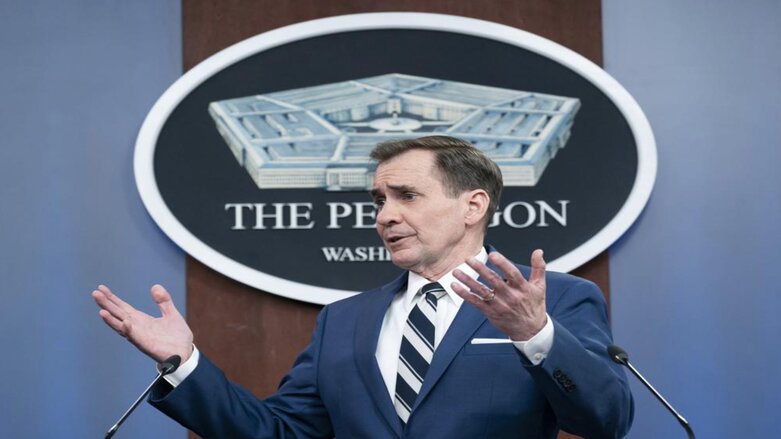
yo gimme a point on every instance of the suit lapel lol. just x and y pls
(367, 332)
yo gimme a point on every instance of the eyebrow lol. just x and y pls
(393, 187)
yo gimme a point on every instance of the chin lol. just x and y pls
(401, 261)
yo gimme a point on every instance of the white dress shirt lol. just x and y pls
(389, 342)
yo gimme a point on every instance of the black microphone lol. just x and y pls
(621, 357)
(169, 365)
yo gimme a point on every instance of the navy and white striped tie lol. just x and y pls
(417, 349)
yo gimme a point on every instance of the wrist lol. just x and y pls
(529, 331)
(188, 352)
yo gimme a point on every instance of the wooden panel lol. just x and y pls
(255, 336)
(597, 270)
(209, 26)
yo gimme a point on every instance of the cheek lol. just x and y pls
(452, 229)
(439, 232)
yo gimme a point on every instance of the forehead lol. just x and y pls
(416, 166)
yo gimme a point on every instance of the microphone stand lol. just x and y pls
(163, 369)
(620, 356)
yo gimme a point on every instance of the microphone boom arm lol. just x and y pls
(620, 356)
(164, 368)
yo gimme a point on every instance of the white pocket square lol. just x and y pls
(491, 340)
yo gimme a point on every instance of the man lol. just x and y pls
(463, 344)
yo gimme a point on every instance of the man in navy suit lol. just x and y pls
(464, 344)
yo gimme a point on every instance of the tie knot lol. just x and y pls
(432, 292)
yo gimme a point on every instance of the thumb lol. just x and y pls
(163, 300)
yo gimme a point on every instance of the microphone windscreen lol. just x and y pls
(617, 354)
(170, 364)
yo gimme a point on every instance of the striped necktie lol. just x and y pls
(417, 349)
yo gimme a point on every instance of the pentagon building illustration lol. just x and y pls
(321, 136)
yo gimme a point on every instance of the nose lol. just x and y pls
(388, 214)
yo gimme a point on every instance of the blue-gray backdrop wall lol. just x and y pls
(694, 283)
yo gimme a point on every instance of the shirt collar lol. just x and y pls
(415, 281)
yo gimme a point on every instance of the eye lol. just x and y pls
(378, 202)
(409, 196)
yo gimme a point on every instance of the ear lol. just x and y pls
(477, 201)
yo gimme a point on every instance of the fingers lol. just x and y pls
(471, 287)
(113, 322)
(114, 311)
(491, 278)
(103, 298)
(538, 267)
(510, 271)
(492, 282)
(495, 283)
(119, 303)
(467, 294)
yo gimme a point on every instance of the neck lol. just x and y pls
(453, 260)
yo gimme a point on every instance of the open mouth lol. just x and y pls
(395, 239)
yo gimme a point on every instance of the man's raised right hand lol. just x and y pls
(158, 337)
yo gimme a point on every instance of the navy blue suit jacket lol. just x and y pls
(471, 390)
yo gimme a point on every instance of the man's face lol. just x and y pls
(419, 222)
